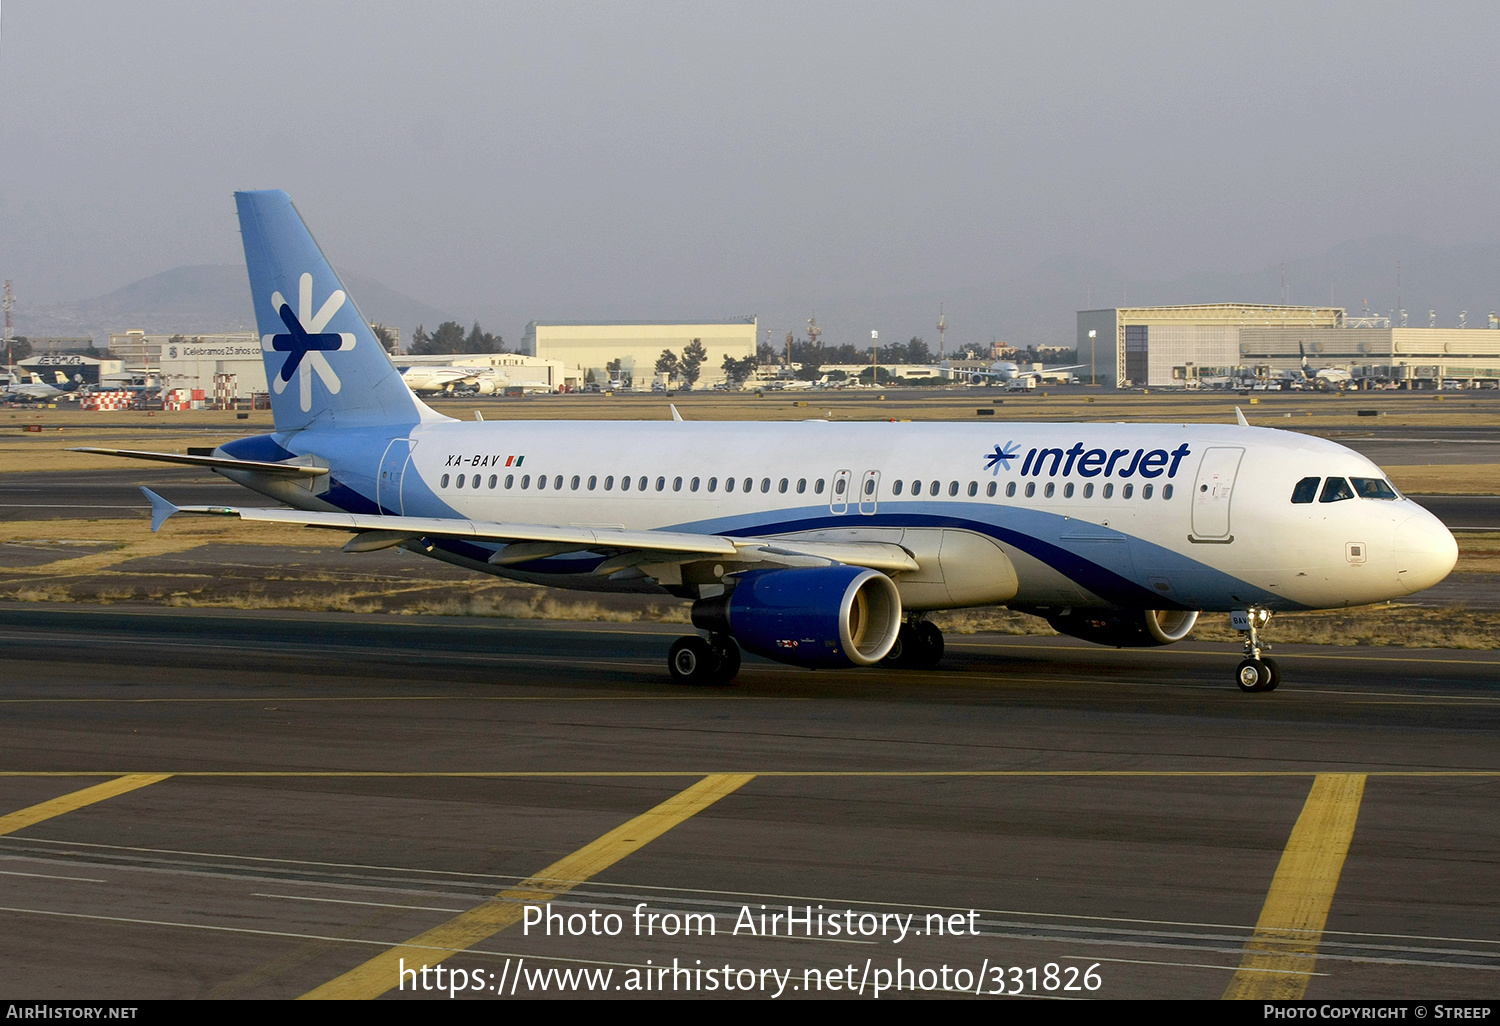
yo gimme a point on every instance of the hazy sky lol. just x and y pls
(556, 160)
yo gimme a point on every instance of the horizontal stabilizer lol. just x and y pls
(217, 462)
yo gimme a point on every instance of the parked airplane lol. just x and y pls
(1335, 378)
(38, 390)
(815, 544)
(1006, 372)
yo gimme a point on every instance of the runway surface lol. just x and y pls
(258, 805)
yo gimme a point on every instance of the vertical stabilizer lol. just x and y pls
(323, 363)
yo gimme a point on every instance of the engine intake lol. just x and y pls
(816, 616)
(1140, 628)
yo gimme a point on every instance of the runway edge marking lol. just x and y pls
(380, 973)
(26, 817)
(1284, 948)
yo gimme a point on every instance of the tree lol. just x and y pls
(691, 364)
(450, 340)
(386, 337)
(917, 351)
(666, 364)
(765, 353)
(736, 371)
(811, 356)
(19, 349)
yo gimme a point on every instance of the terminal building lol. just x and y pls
(1188, 346)
(589, 352)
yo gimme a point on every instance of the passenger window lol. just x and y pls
(713, 484)
(510, 480)
(494, 479)
(729, 484)
(1336, 489)
(460, 482)
(1088, 490)
(896, 487)
(1109, 491)
(557, 482)
(593, 481)
(609, 482)
(748, 484)
(782, 487)
(818, 488)
(952, 487)
(990, 489)
(444, 482)
(801, 485)
(693, 485)
(916, 487)
(1010, 490)
(525, 480)
(1146, 491)
(1374, 488)
(934, 488)
(1127, 491)
(838, 487)
(574, 484)
(541, 481)
(1166, 491)
(1306, 490)
(870, 486)
(625, 483)
(1030, 489)
(661, 483)
(973, 487)
(676, 484)
(1068, 490)
(765, 484)
(1047, 492)
(640, 485)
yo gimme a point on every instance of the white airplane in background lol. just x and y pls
(812, 543)
(37, 389)
(1006, 371)
(1335, 378)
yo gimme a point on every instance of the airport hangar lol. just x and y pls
(1163, 346)
(589, 349)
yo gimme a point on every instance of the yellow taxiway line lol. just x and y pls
(382, 972)
(1284, 949)
(78, 799)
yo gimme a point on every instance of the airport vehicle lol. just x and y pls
(816, 544)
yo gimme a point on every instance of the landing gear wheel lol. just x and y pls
(929, 645)
(696, 662)
(1254, 675)
(729, 656)
(902, 651)
(1274, 671)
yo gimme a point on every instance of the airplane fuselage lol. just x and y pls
(1088, 515)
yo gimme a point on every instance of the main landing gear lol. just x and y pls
(1256, 672)
(919, 646)
(693, 660)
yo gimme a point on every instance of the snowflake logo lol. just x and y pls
(1001, 458)
(305, 341)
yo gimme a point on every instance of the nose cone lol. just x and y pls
(1425, 552)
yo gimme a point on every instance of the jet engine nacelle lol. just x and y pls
(1140, 628)
(813, 616)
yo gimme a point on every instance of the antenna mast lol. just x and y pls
(942, 326)
(10, 304)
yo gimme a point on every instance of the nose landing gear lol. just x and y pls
(1256, 672)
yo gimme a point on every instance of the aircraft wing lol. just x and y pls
(525, 542)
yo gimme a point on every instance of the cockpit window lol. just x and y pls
(1374, 488)
(1306, 490)
(1336, 489)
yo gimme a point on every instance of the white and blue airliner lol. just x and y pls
(816, 544)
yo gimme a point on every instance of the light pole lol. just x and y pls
(874, 359)
(1093, 349)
